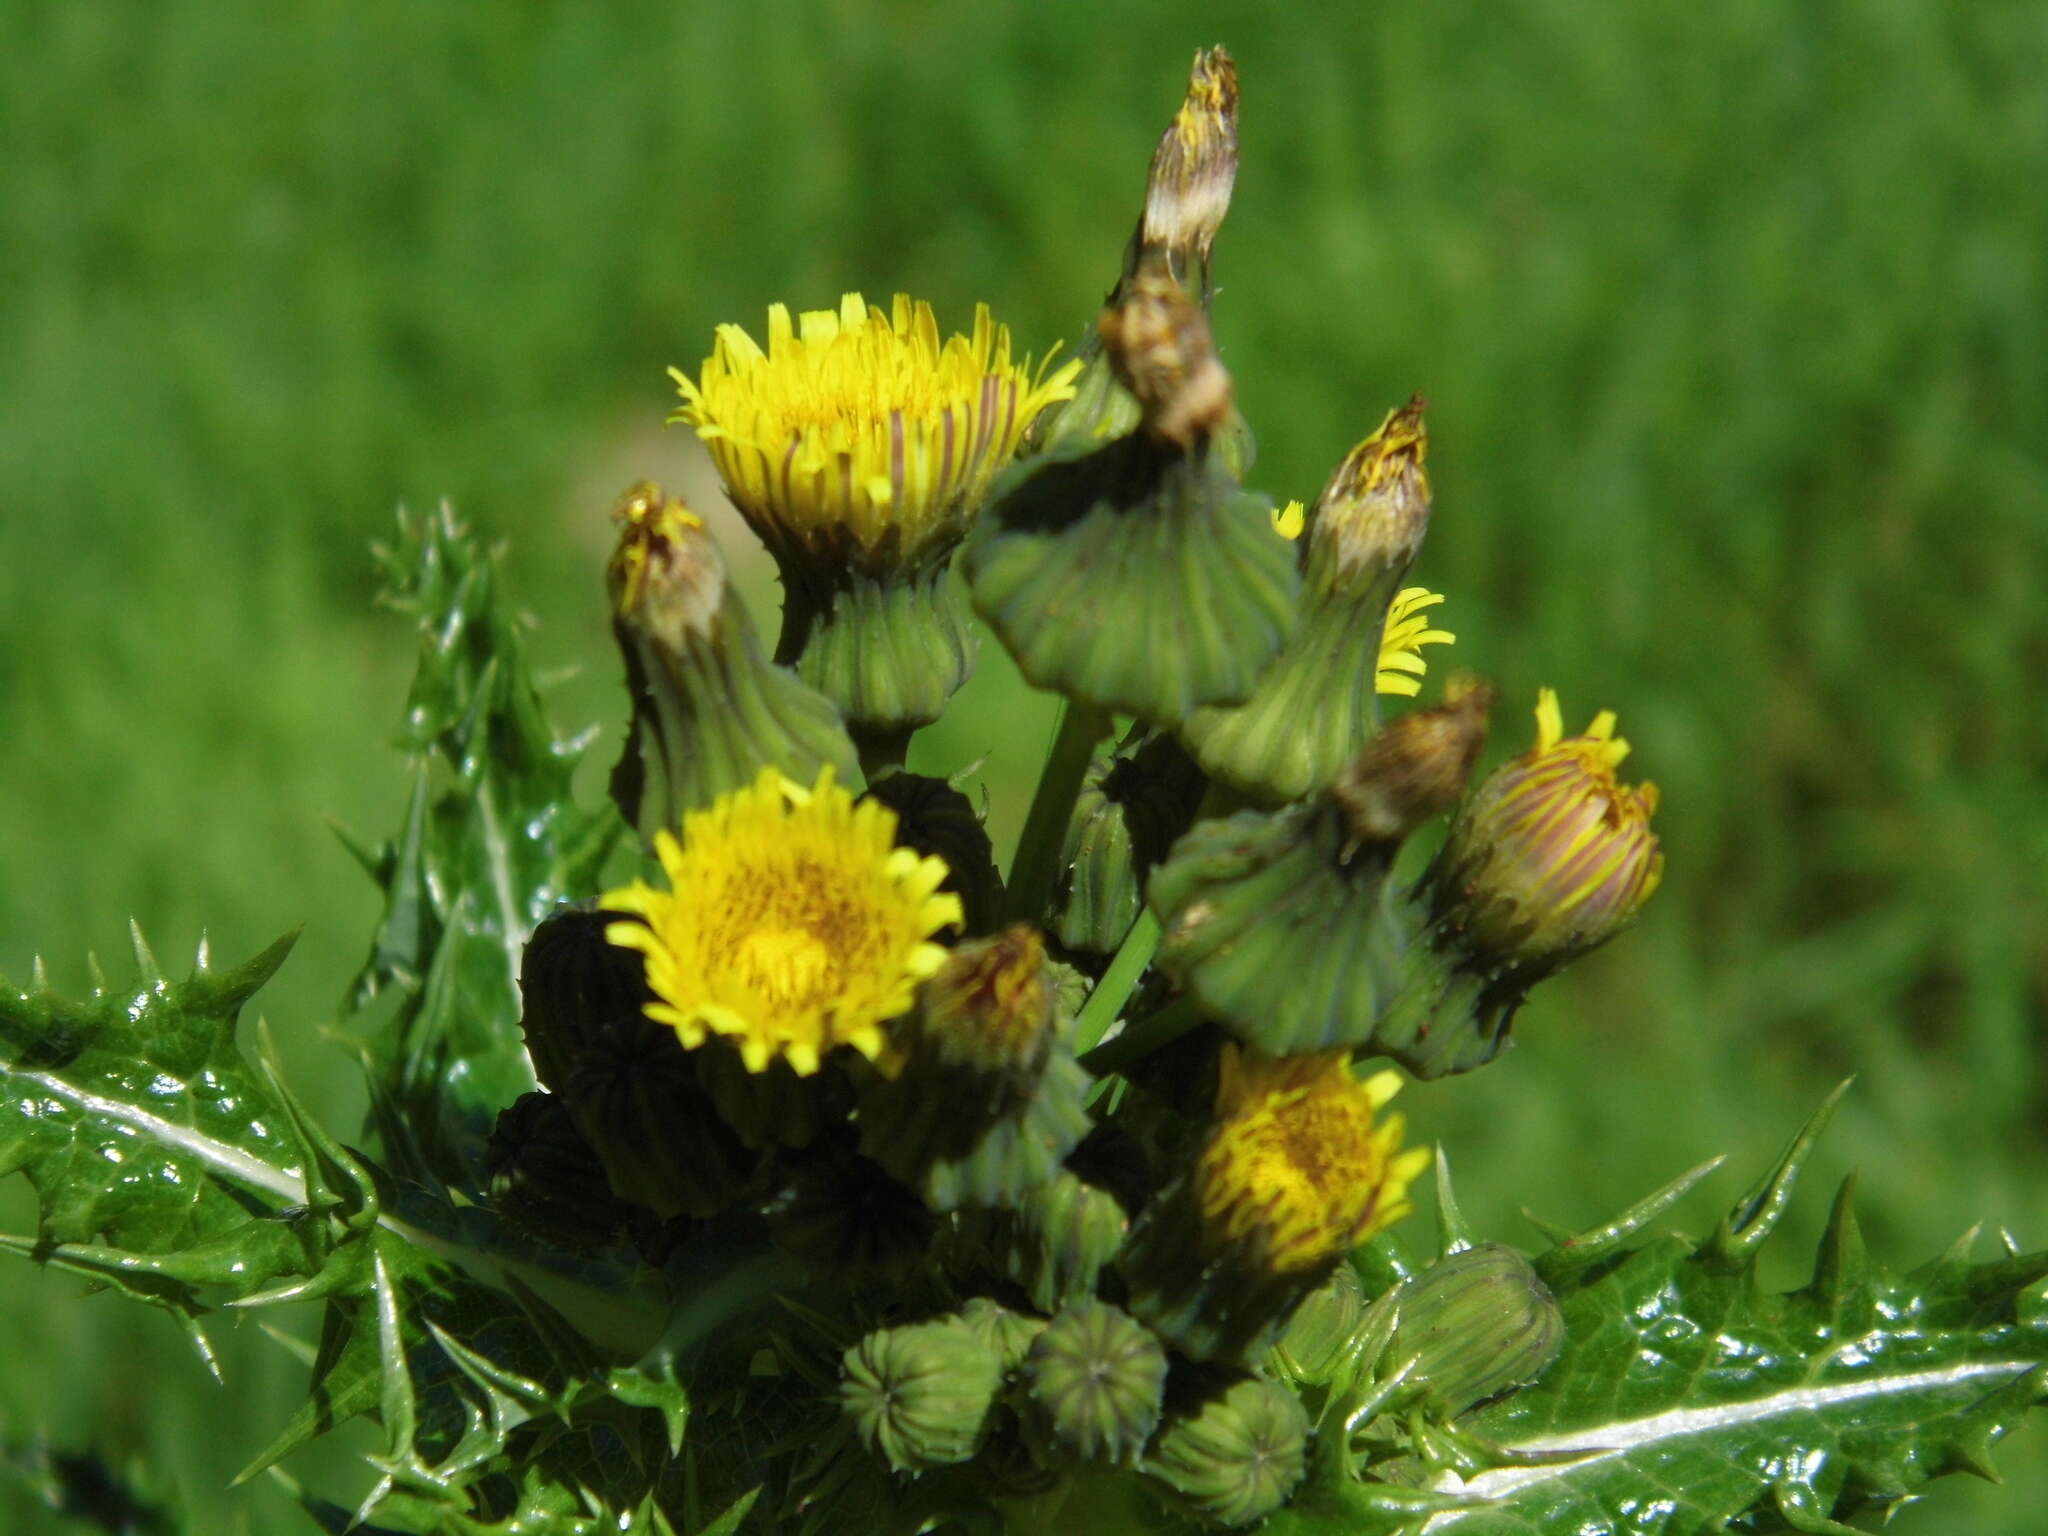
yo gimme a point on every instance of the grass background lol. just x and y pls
(1732, 324)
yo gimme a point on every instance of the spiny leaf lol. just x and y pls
(490, 844)
(1687, 1399)
(161, 1161)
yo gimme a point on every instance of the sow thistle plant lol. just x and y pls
(758, 1151)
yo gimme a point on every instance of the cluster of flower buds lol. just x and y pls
(1099, 1140)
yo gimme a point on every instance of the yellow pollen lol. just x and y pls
(786, 965)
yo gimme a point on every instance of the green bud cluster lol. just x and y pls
(1068, 1166)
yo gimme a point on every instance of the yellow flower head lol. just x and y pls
(792, 923)
(1296, 1171)
(1566, 852)
(858, 432)
(1407, 631)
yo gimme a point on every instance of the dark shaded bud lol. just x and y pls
(934, 818)
(709, 709)
(988, 1098)
(1415, 768)
(1097, 1376)
(1234, 1454)
(574, 986)
(1187, 191)
(626, 1082)
(1136, 799)
(1157, 339)
(919, 1396)
(774, 1107)
(1476, 1323)
(546, 1181)
(843, 1214)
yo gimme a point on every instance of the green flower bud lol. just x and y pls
(774, 1107)
(545, 1179)
(1056, 1239)
(989, 1098)
(1235, 1455)
(1317, 705)
(919, 1396)
(934, 818)
(709, 710)
(626, 1082)
(1009, 1334)
(1097, 1375)
(1477, 1323)
(1138, 576)
(1313, 1345)
(1135, 800)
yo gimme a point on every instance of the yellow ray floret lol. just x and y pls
(1407, 631)
(792, 923)
(861, 424)
(1296, 1171)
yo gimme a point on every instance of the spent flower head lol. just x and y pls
(792, 923)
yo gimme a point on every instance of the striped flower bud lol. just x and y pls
(1236, 1454)
(919, 1396)
(1477, 1323)
(1097, 1377)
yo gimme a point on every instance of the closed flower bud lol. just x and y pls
(1137, 576)
(1097, 1377)
(843, 1214)
(919, 1396)
(709, 709)
(1415, 768)
(1318, 1337)
(1157, 339)
(937, 820)
(1187, 191)
(1477, 1323)
(1360, 634)
(983, 1098)
(573, 986)
(1009, 1334)
(1135, 800)
(1553, 856)
(546, 1181)
(1235, 1455)
(1053, 1242)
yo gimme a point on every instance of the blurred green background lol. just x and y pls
(1732, 324)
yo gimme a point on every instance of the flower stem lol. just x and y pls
(1142, 1038)
(883, 749)
(1118, 982)
(1036, 861)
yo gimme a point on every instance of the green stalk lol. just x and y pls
(1118, 982)
(883, 749)
(1036, 862)
(1142, 1038)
